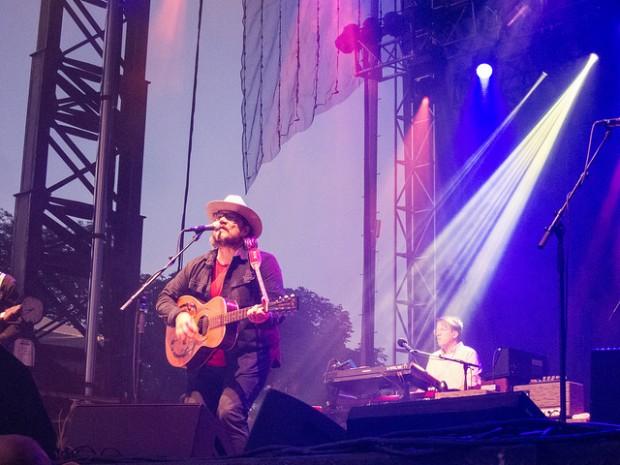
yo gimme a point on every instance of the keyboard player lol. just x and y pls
(448, 332)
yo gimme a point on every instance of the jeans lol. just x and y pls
(229, 392)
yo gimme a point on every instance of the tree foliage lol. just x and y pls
(6, 240)
(312, 338)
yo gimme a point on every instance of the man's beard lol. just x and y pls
(232, 242)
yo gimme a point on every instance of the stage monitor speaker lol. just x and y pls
(605, 385)
(144, 430)
(284, 420)
(377, 420)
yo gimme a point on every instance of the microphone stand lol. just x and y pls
(151, 279)
(557, 228)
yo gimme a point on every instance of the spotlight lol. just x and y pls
(394, 24)
(425, 88)
(370, 34)
(484, 71)
(348, 40)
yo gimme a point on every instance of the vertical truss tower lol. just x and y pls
(55, 206)
(414, 215)
(439, 30)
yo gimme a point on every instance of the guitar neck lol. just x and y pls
(282, 304)
(229, 317)
(235, 315)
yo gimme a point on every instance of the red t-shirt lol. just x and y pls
(218, 357)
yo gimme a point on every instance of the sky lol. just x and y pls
(311, 196)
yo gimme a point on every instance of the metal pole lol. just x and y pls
(371, 92)
(103, 174)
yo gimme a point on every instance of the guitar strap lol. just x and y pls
(254, 255)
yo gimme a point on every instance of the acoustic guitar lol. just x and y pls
(217, 322)
(30, 311)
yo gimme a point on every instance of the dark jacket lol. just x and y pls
(240, 285)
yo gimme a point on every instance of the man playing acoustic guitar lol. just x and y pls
(228, 382)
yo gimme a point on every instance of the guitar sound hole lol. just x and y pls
(203, 325)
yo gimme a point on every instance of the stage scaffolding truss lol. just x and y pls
(55, 207)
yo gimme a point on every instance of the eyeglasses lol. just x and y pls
(230, 216)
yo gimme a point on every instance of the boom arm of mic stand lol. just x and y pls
(468, 365)
(582, 177)
(443, 357)
(442, 385)
(158, 273)
(418, 352)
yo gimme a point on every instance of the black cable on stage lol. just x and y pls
(191, 126)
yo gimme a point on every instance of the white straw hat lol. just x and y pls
(235, 203)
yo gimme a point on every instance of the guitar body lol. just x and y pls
(30, 311)
(193, 352)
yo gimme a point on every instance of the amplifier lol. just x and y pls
(518, 366)
(546, 395)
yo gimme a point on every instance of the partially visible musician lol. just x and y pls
(10, 325)
(229, 382)
(448, 332)
(26, 433)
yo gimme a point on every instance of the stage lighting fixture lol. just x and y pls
(370, 33)
(425, 87)
(394, 24)
(484, 71)
(348, 40)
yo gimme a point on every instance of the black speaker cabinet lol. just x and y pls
(284, 420)
(605, 385)
(376, 420)
(519, 366)
(144, 430)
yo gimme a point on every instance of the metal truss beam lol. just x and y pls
(414, 214)
(55, 206)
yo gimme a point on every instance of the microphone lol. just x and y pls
(203, 227)
(610, 123)
(402, 342)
